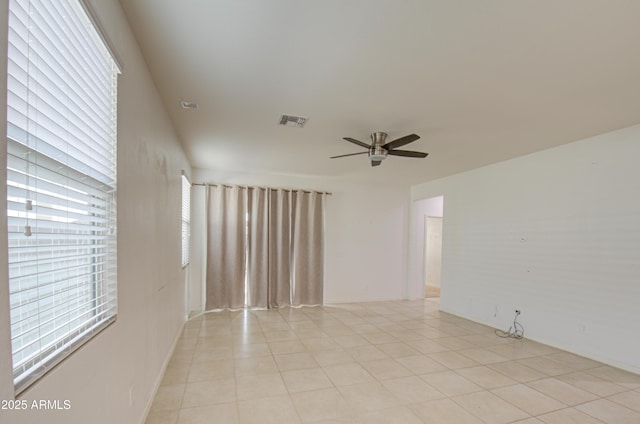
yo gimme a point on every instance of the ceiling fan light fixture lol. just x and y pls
(377, 153)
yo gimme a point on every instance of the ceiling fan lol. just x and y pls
(378, 150)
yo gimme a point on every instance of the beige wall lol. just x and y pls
(129, 356)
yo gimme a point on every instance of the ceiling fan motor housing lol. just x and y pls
(376, 152)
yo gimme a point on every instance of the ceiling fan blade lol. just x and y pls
(358, 142)
(408, 153)
(376, 162)
(401, 141)
(349, 154)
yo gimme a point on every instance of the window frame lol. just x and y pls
(65, 306)
(185, 220)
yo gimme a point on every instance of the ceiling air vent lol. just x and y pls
(189, 105)
(292, 121)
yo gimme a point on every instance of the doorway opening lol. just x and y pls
(427, 278)
(432, 256)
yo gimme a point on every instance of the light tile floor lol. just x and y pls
(384, 362)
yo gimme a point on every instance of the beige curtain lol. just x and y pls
(226, 247)
(280, 248)
(265, 246)
(258, 249)
(307, 247)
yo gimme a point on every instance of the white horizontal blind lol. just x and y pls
(186, 220)
(61, 183)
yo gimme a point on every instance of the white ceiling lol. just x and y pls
(479, 80)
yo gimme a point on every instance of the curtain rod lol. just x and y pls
(261, 188)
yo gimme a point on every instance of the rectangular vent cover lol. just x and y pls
(189, 105)
(292, 121)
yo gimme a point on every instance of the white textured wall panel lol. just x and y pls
(555, 234)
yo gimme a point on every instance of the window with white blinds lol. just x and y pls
(186, 219)
(61, 183)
